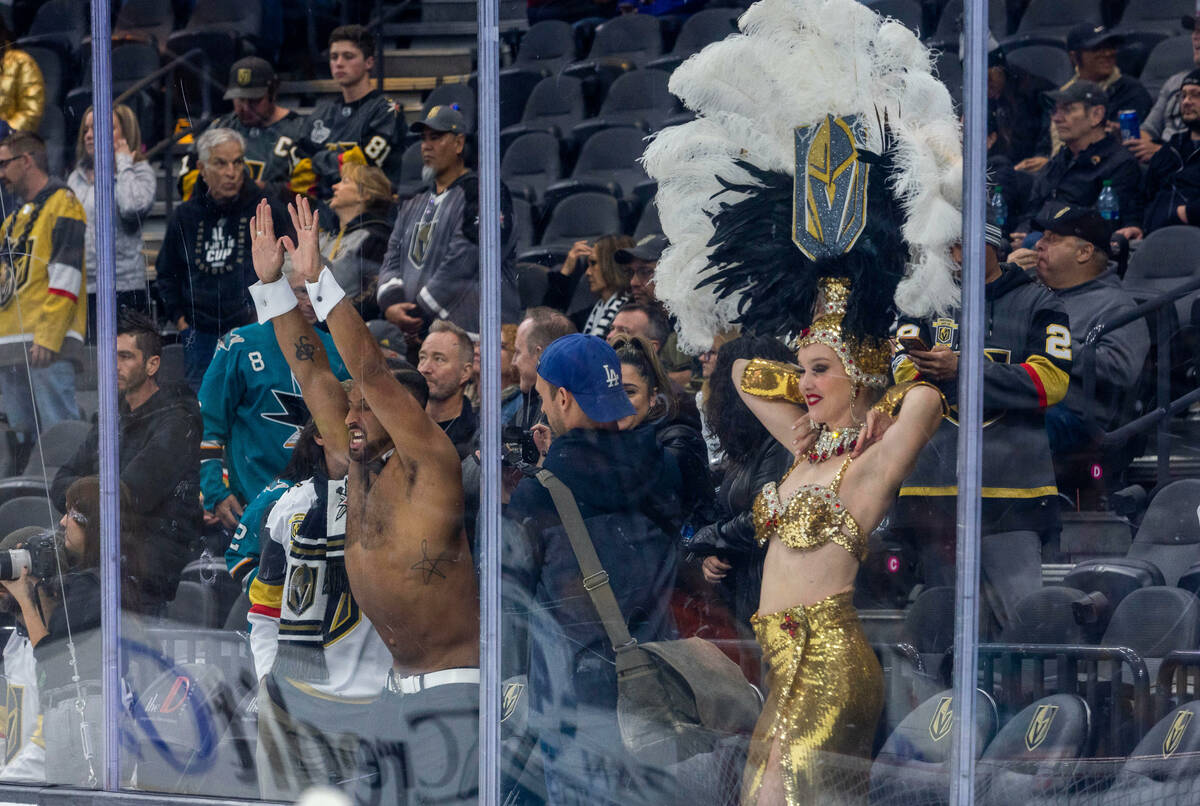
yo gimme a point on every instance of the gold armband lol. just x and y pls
(893, 398)
(772, 380)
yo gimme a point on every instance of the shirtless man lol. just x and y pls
(407, 557)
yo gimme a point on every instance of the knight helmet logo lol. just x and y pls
(510, 698)
(243, 76)
(829, 195)
(301, 588)
(1039, 726)
(942, 720)
(1175, 735)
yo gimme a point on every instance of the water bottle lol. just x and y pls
(998, 209)
(1107, 204)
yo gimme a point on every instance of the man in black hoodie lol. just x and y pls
(204, 266)
(160, 431)
(628, 490)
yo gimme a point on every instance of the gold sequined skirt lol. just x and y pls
(825, 694)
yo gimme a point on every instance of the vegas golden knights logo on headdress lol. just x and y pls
(942, 720)
(829, 211)
(1039, 726)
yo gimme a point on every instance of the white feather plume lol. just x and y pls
(794, 62)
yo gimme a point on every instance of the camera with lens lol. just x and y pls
(38, 555)
(517, 440)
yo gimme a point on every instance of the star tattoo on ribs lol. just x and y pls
(429, 566)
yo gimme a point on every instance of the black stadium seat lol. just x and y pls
(648, 223)
(1056, 17)
(929, 624)
(1046, 616)
(50, 62)
(950, 22)
(555, 106)
(530, 165)
(907, 12)
(1154, 622)
(152, 20)
(523, 224)
(1169, 534)
(700, 30)
(1114, 579)
(60, 25)
(913, 766)
(636, 38)
(1156, 15)
(516, 85)
(410, 183)
(224, 30)
(1169, 57)
(583, 216)
(608, 161)
(1162, 769)
(26, 511)
(547, 47)
(1164, 260)
(639, 99)
(59, 150)
(1047, 61)
(1038, 746)
(56, 445)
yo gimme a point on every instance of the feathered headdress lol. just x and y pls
(823, 147)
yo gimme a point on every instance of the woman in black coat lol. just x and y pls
(732, 559)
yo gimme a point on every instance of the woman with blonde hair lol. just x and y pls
(134, 195)
(361, 201)
(608, 284)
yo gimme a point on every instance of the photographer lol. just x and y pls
(24, 753)
(59, 598)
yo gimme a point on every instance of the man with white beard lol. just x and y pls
(431, 269)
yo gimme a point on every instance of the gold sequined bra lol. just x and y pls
(814, 516)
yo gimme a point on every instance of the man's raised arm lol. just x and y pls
(398, 412)
(298, 340)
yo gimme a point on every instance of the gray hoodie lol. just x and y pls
(134, 193)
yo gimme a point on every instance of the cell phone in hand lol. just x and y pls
(911, 343)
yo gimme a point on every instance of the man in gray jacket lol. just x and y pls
(431, 269)
(1073, 262)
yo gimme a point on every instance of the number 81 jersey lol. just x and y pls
(373, 123)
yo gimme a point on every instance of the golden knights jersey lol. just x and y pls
(24, 749)
(42, 287)
(356, 658)
(374, 124)
(268, 152)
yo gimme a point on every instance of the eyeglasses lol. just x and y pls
(4, 163)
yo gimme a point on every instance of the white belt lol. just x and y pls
(419, 682)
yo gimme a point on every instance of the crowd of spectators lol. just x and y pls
(231, 454)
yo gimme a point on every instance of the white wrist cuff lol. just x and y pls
(272, 299)
(325, 293)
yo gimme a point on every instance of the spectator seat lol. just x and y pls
(1162, 767)
(1163, 16)
(636, 38)
(929, 625)
(523, 216)
(1169, 534)
(149, 20)
(530, 165)
(460, 96)
(56, 445)
(1034, 749)
(170, 369)
(555, 106)
(1154, 622)
(1169, 57)
(1135, 48)
(648, 223)
(1056, 17)
(907, 12)
(60, 25)
(699, 30)
(27, 510)
(913, 766)
(547, 47)
(639, 98)
(1046, 61)
(950, 22)
(608, 161)
(1046, 616)
(60, 151)
(516, 85)
(583, 216)
(410, 183)
(51, 63)
(1164, 260)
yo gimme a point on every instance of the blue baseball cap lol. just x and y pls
(588, 368)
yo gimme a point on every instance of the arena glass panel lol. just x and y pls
(622, 195)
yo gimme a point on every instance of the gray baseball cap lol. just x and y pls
(441, 118)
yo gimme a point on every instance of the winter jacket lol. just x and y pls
(1172, 179)
(1028, 345)
(681, 438)
(204, 266)
(160, 464)
(1079, 178)
(433, 256)
(354, 255)
(134, 193)
(731, 537)
(1120, 354)
(628, 491)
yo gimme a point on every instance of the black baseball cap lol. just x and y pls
(441, 118)
(649, 249)
(1191, 78)
(1079, 91)
(1081, 222)
(1189, 22)
(1089, 36)
(250, 77)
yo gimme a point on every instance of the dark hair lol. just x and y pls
(410, 379)
(145, 333)
(549, 324)
(738, 430)
(307, 456)
(28, 143)
(660, 326)
(639, 353)
(357, 35)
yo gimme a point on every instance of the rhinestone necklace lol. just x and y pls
(833, 443)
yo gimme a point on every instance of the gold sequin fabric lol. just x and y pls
(772, 380)
(814, 516)
(824, 698)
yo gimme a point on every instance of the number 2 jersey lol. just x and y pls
(253, 412)
(373, 123)
(1028, 369)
